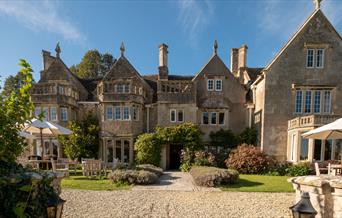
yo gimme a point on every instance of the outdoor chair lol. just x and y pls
(328, 169)
(91, 167)
(60, 165)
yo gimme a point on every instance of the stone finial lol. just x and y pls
(317, 4)
(122, 49)
(215, 47)
(58, 50)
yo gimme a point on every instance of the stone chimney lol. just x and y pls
(47, 59)
(238, 60)
(163, 69)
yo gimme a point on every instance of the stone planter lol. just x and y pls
(325, 193)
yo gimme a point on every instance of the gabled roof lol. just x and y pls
(122, 61)
(253, 73)
(216, 62)
(316, 13)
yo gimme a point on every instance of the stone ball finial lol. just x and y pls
(215, 46)
(58, 50)
(317, 4)
(122, 49)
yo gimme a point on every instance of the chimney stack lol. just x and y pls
(47, 59)
(238, 59)
(163, 69)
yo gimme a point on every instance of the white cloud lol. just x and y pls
(194, 16)
(41, 16)
(282, 18)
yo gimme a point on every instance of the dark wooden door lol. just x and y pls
(175, 152)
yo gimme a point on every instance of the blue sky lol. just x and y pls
(188, 27)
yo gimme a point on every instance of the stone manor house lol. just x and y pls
(297, 91)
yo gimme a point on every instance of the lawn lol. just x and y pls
(260, 183)
(82, 182)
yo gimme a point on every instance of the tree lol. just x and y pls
(249, 136)
(148, 149)
(13, 83)
(84, 141)
(15, 110)
(224, 138)
(93, 64)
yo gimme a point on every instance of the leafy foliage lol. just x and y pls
(248, 159)
(224, 138)
(147, 146)
(212, 176)
(196, 158)
(151, 168)
(84, 141)
(300, 169)
(93, 64)
(13, 83)
(249, 136)
(23, 193)
(15, 110)
(133, 177)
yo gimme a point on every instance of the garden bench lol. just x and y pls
(61, 165)
(91, 167)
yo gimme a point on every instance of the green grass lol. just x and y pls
(260, 183)
(82, 182)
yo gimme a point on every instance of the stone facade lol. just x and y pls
(128, 104)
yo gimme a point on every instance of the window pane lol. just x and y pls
(317, 103)
(298, 108)
(304, 149)
(126, 88)
(46, 147)
(307, 102)
(221, 118)
(126, 113)
(213, 117)
(135, 113)
(118, 150)
(327, 151)
(117, 113)
(210, 84)
(110, 151)
(119, 88)
(46, 113)
(317, 150)
(218, 85)
(53, 114)
(126, 151)
(338, 150)
(205, 117)
(64, 114)
(173, 116)
(327, 102)
(319, 58)
(180, 116)
(109, 113)
(310, 58)
(37, 111)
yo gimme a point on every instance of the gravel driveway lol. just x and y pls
(154, 203)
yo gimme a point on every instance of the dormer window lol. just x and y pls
(315, 58)
(210, 85)
(218, 85)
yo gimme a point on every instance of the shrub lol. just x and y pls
(281, 168)
(220, 157)
(212, 176)
(203, 158)
(224, 138)
(23, 192)
(249, 136)
(300, 169)
(148, 149)
(151, 168)
(248, 159)
(133, 177)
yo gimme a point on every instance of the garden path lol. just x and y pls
(174, 181)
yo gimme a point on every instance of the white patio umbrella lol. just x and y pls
(330, 131)
(26, 135)
(45, 127)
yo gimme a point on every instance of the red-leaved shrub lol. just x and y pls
(248, 159)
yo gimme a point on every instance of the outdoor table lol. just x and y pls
(337, 168)
(43, 162)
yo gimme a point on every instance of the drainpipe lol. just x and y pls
(148, 119)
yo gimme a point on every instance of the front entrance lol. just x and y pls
(174, 156)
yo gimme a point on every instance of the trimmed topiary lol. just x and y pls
(151, 168)
(141, 177)
(212, 176)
